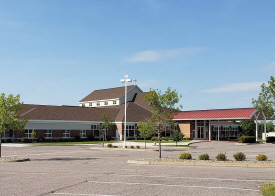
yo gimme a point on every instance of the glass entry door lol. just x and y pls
(200, 132)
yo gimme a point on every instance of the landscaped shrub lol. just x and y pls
(185, 155)
(221, 157)
(77, 138)
(24, 140)
(41, 139)
(247, 139)
(109, 145)
(239, 156)
(165, 138)
(204, 157)
(8, 140)
(138, 147)
(132, 146)
(154, 138)
(186, 138)
(115, 146)
(91, 138)
(261, 157)
(108, 138)
(270, 139)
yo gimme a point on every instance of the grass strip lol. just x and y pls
(268, 189)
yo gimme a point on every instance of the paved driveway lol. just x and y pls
(79, 170)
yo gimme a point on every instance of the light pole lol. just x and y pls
(125, 81)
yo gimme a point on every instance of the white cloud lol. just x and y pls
(159, 55)
(235, 87)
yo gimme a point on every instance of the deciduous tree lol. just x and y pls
(164, 109)
(177, 136)
(146, 129)
(9, 107)
(108, 122)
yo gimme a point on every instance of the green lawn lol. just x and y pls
(71, 143)
(268, 189)
(150, 141)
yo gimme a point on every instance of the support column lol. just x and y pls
(256, 117)
(218, 130)
(209, 129)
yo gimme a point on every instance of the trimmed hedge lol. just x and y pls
(239, 156)
(261, 157)
(185, 155)
(204, 157)
(247, 139)
(221, 157)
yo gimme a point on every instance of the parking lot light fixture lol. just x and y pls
(125, 80)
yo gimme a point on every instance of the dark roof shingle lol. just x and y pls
(110, 93)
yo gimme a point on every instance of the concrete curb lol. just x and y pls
(134, 149)
(8, 159)
(197, 163)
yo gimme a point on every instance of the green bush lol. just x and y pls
(91, 138)
(77, 138)
(25, 140)
(108, 138)
(41, 139)
(221, 157)
(239, 156)
(138, 147)
(185, 155)
(204, 157)
(109, 145)
(261, 157)
(132, 146)
(270, 139)
(247, 139)
(115, 146)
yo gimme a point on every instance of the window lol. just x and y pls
(130, 130)
(106, 103)
(28, 133)
(98, 103)
(48, 133)
(114, 102)
(90, 104)
(82, 133)
(66, 133)
(83, 104)
(95, 130)
(200, 122)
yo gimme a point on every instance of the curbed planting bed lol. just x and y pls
(174, 161)
(13, 159)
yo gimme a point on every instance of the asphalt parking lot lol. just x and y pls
(80, 170)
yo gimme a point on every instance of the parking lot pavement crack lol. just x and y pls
(62, 188)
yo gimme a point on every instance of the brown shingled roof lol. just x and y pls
(47, 112)
(103, 94)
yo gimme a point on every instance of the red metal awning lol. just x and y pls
(218, 114)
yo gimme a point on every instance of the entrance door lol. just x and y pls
(200, 132)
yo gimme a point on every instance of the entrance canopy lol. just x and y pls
(221, 114)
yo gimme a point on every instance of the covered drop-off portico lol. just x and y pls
(215, 124)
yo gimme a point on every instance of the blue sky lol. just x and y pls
(215, 53)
